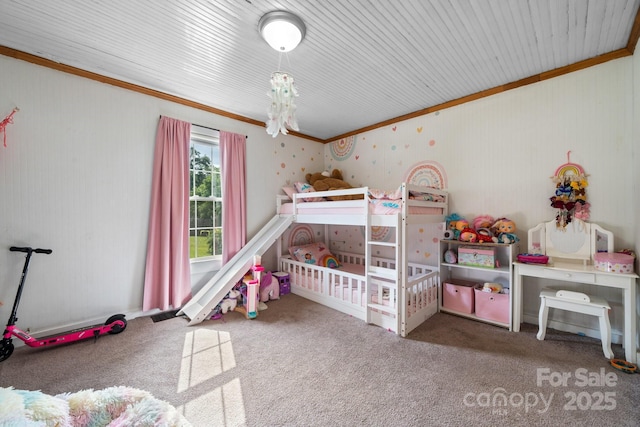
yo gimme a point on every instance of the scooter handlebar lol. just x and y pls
(28, 249)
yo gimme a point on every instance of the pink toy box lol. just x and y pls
(477, 256)
(458, 295)
(613, 262)
(492, 306)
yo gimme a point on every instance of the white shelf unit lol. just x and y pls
(505, 255)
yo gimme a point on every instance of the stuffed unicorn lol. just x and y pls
(230, 301)
(269, 288)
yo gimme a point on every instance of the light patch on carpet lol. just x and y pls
(205, 354)
(222, 406)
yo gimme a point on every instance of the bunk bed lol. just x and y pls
(391, 292)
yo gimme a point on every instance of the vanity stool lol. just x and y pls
(580, 303)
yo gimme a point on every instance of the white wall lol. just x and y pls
(499, 153)
(76, 177)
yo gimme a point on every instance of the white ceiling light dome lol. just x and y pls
(282, 30)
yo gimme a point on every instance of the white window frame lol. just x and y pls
(202, 135)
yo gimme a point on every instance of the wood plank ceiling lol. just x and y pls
(363, 63)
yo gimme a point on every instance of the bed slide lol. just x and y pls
(203, 303)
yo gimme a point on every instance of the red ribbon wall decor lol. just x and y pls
(7, 120)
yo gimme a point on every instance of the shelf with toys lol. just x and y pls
(476, 274)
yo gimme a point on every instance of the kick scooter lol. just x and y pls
(114, 324)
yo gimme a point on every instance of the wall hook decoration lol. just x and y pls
(570, 196)
(7, 120)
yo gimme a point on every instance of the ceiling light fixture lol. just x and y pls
(282, 30)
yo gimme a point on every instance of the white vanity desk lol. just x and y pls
(578, 274)
(545, 239)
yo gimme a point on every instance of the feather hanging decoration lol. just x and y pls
(282, 112)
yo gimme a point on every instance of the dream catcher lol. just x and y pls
(570, 196)
(282, 112)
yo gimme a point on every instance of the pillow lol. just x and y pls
(382, 194)
(289, 191)
(303, 187)
(314, 253)
(415, 195)
(329, 261)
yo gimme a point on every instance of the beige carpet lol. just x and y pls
(302, 364)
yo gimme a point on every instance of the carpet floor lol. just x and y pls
(302, 364)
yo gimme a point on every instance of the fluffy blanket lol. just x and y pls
(113, 407)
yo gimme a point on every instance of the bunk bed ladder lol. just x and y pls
(386, 277)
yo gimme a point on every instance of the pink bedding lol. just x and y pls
(376, 207)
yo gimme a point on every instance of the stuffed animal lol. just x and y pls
(482, 221)
(230, 302)
(505, 230)
(468, 235)
(486, 235)
(495, 288)
(461, 224)
(269, 288)
(323, 181)
(482, 224)
(451, 221)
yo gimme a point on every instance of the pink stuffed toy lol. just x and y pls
(269, 288)
(582, 211)
(482, 224)
(483, 221)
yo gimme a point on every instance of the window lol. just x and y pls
(205, 195)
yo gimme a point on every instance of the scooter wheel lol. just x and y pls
(6, 348)
(116, 329)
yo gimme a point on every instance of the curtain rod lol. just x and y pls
(207, 127)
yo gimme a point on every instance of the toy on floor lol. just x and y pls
(230, 302)
(269, 288)
(284, 284)
(251, 287)
(216, 314)
(114, 324)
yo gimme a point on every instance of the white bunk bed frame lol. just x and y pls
(395, 294)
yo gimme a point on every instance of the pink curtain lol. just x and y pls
(233, 149)
(167, 281)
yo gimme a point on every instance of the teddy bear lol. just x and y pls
(323, 181)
